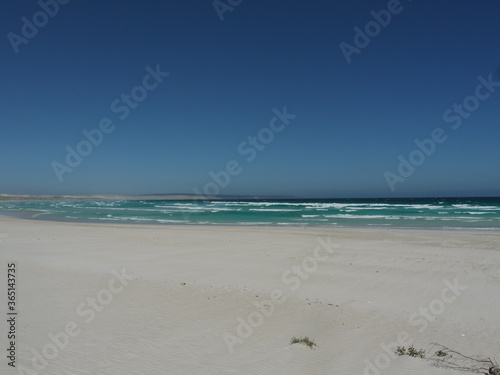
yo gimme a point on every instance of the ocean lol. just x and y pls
(472, 213)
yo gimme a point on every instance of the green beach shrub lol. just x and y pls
(303, 340)
(411, 351)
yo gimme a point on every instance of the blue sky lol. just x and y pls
(353, 120)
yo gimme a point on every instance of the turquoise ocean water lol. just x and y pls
(479, 213)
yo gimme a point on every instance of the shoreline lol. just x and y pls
(25, 215)
(459, 214)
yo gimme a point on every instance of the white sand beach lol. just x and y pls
(130, 299)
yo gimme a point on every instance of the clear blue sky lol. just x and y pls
(353, 120)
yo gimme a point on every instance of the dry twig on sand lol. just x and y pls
(451, 359)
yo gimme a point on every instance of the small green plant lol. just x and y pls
(441, 353)
(303, 340)
(411, 351)
(401, 350)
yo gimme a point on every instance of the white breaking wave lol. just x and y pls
(272, 210)
(472, 207)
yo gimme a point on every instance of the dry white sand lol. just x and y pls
(131, 299)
